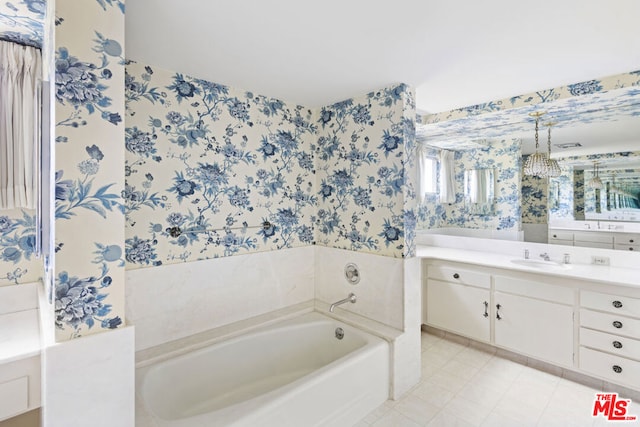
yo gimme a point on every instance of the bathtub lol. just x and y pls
(292, 373)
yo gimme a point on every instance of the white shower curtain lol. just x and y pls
(447, 177)
(20, 110)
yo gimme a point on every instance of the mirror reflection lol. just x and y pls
(478, 190)
(594, 201)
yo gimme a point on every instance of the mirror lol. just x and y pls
(478, 191)
(595, 121)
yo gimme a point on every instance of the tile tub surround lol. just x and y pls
(174, 301)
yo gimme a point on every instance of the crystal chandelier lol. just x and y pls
(553, 168)
(536, 164)
(595, 182)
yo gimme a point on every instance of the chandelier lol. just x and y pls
(595, 182)
(553, 168)
(537, 164)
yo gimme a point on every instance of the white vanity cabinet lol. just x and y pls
(601, 239)
(458, 300)
(534, 318)
(610, 336)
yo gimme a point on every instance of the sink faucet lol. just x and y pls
(351, 298)
(545, 256)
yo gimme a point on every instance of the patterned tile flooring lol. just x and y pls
(467, 385)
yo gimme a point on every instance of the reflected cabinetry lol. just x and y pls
(595, 239)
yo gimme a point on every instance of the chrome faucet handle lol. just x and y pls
(526, 254)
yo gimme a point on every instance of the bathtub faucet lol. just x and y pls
(351, 298)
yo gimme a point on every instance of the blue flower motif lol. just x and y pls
(585, 88)
(212, 174)
(238, 109)
(175, 118)
(94, 152)
(326, 115)
(286, 218)
(77, 83)
(342, 179)
(389, 142)
(326, 190)
(139, 142)
(182, 88)
(390, 233)
(176, 219)
(6, 225)
(140, 251)
(305, 234)
(11, 254)
(267, 149)
(183, 187)
(39, 7)
(361, 197)
(238, 197)
(286, 141)
(89, 167)
(63, 188)
(361, 114)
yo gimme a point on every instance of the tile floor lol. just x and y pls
(464, 385)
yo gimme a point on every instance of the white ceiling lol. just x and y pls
(456, 53)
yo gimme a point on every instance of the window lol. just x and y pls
(428, 179)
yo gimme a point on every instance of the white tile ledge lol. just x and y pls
(595, 273)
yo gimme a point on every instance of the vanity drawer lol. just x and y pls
(627, 239)
(614, 368)
(620, 346)
(626, 247)
(593, 237)
(617, 304)
(560, 235)
(598, 245)
(611, 323)
(453, 274)
(534, 289)
(14, 397)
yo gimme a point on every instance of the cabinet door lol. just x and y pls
(459, 308)
(539, 329)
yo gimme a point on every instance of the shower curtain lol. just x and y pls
(447, 177)
(20, 111)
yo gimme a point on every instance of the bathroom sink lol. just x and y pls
(541, 264)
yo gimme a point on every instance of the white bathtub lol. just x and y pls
(292, 373)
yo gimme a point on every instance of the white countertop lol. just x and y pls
(595, 230)
(594, 273)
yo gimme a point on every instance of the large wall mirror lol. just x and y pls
(595, 137)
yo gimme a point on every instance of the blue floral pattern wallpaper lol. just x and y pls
(89, 173)
(503, 156)
(534, 198)
(22, 21)
(366, 173)
(207, 165)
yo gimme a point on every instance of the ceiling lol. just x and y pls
(456, 53)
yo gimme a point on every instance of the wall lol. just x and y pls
(215, 162)
(504, 157)
(21, 21)
(89, 216)
(366, 173)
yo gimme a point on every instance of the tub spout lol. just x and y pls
(351, 298)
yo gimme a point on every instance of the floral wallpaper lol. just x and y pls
(534, 200)
(22, 21)
(503, 156)
(605, 99)
(89, 176)
(208, 165)
(366, 173)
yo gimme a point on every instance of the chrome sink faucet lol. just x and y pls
(351, 298)
(545, 256)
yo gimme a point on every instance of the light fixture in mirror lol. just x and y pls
(595, 182)
(537, 164)
(553, 169)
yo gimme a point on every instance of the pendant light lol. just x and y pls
(553, 168)
(595, 182)
(536, 164)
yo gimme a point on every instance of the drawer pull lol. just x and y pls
(617, 324)
(617, 344)
(456, 276)
(617, 369)
(486, 309)
(498, 307)
(630, 240)
(617, 304)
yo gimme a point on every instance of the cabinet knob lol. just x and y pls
(456, 276)
(555, 235)
(631, 249)
(617, 324)
(617, 344)
(630, 240)
(617, 369)
(617, 304)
